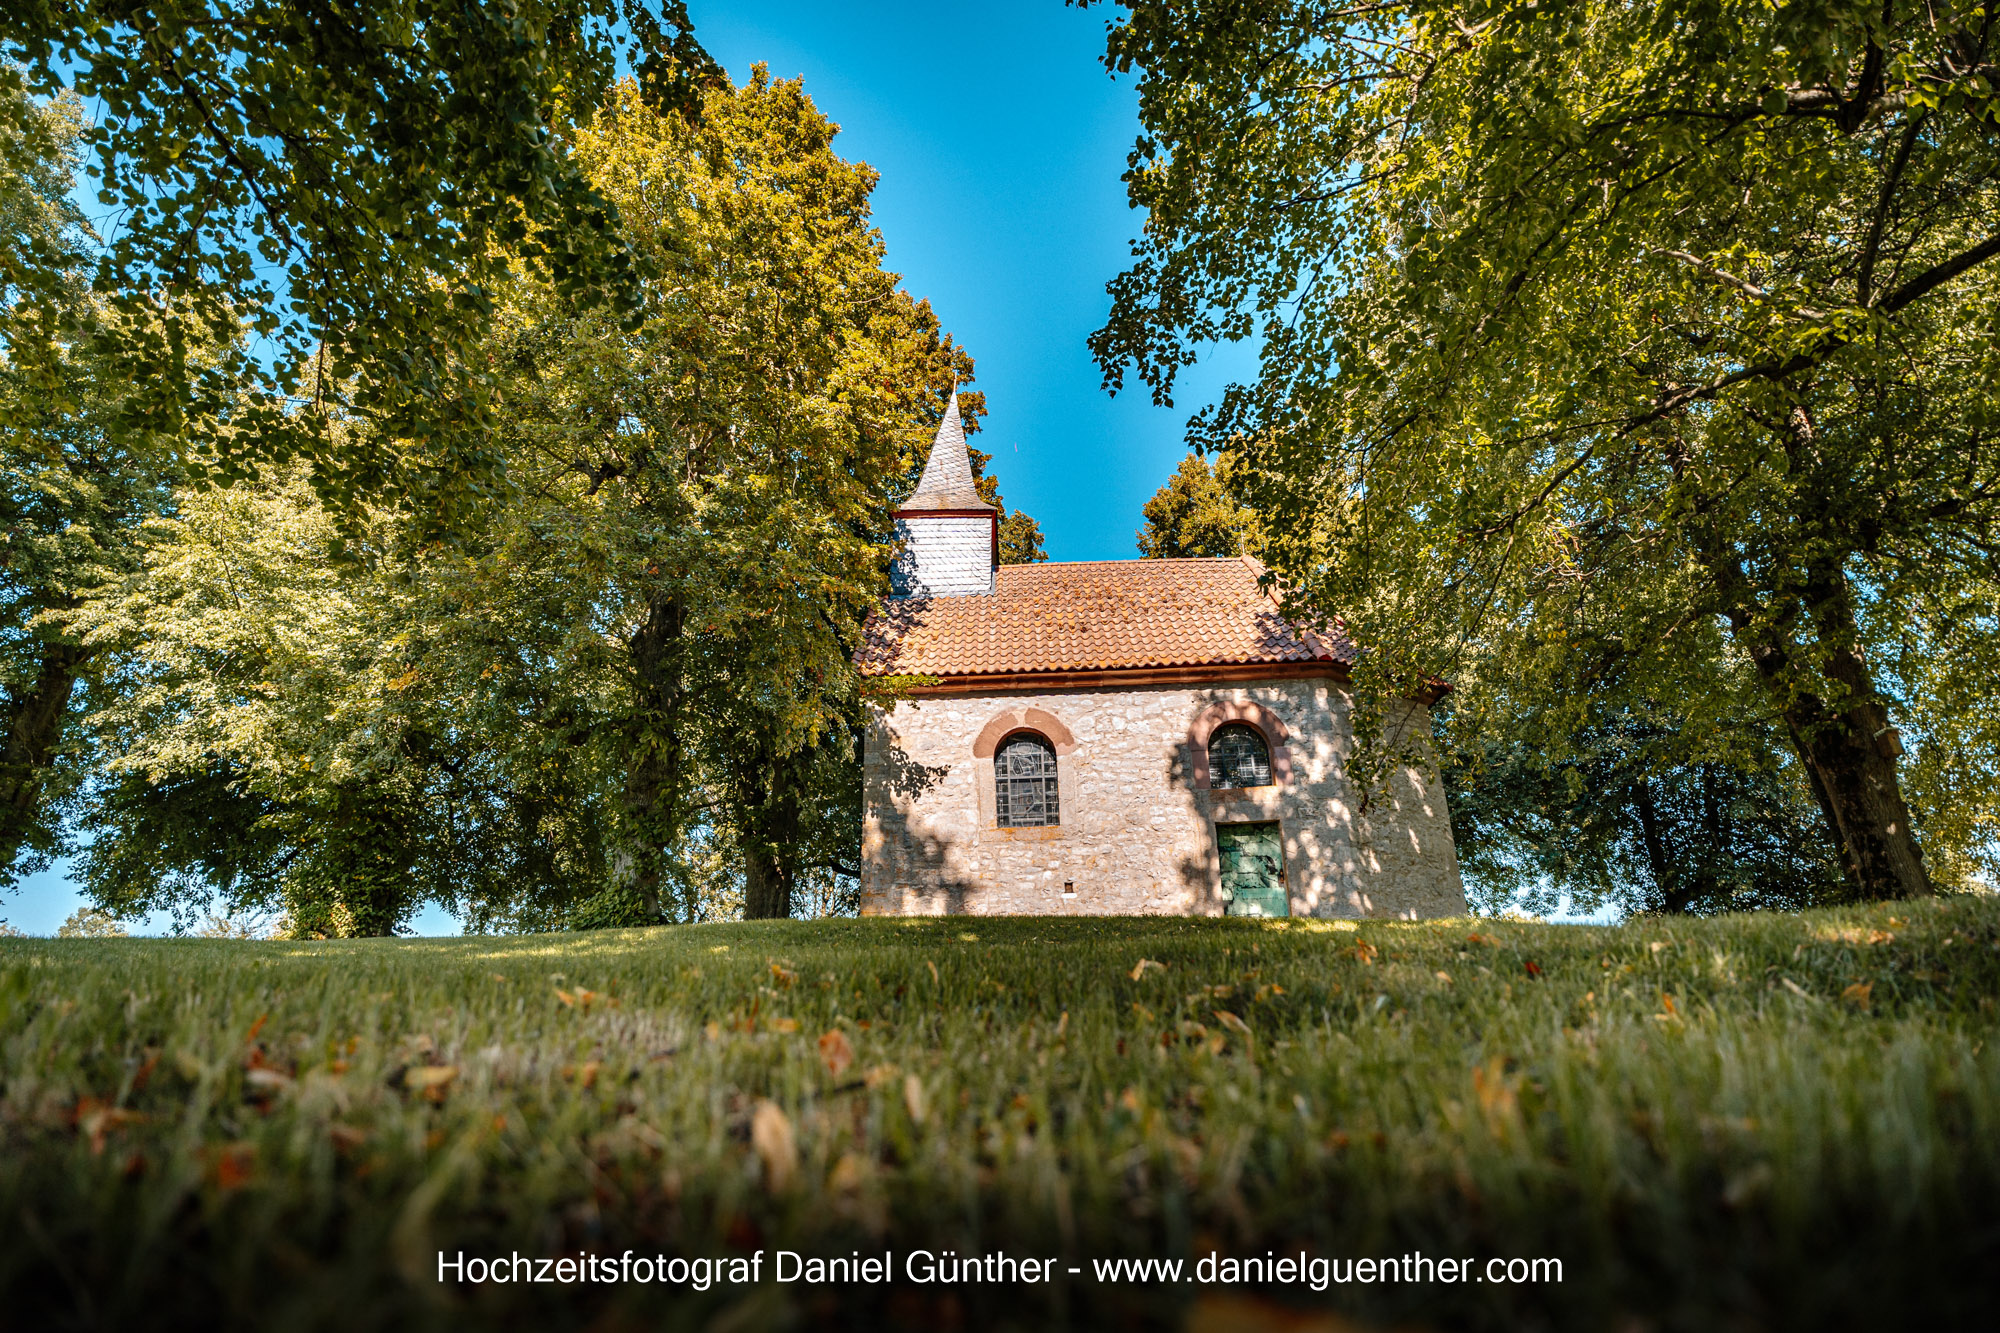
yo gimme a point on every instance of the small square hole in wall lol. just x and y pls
(1069, 888)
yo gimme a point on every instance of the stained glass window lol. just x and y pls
(1024, 782)
(1238, 757)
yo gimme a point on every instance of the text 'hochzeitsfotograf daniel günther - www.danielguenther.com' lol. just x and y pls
(925, 1267)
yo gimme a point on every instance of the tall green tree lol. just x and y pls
(72, 491)
(1195, 515)
(1588, 326)
(348, 183)
(642, 660)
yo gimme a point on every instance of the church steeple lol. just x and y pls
(947, 482)
(951, 537)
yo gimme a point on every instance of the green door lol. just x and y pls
(1253, 869)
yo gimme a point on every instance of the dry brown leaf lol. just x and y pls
(266, 1081)
(835, 1052)
(784, 1025)
(771, 1136)
(1232, 1022)
(913, 1097)
(429, 1078)
(1858, 994)
(234, 1164)
(782, 975)
(847, 1174)
(1140, 968)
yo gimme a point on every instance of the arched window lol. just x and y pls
(1024, 782)
(1238, 757)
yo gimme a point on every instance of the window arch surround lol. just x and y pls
(1267, 723)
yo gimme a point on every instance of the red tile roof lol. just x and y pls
(1094, 615)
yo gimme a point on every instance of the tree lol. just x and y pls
(1195, 515)
(72, 492)
(347, 183)
(88, 923)
(1588, 326)
(642, 660)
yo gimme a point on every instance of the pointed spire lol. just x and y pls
(947, 482)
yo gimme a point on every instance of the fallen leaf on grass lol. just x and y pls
(99, 1121)
(585, 1073)
(233, 1164)
(1445, 977)
(1534, 969)
(264, 1082)
(346, 1138)
(1139, 969)
(430, 1080)
(934, 972)
(1366, 952)
(1062, 1024)
(1496, 1093)
(771, 1136)
(782, 975)
(913, 1098)
(835, 1052)
(784, 1025)
(583, 999)
(1232, 1022)
(1857, 994)
(847, 1174)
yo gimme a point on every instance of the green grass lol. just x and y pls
(1748, 1122)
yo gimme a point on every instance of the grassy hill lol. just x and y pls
(1757, 1122)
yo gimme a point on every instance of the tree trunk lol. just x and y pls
(770, 823)
(1672, 898)
(653, 768)
(1849, 750)
(34, 722)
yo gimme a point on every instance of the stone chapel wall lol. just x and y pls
(1137, 831)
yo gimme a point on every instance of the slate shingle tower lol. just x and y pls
(951, 537)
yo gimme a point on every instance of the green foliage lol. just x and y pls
(1706, 1121)
(1021, 540)
(88, 923)
(643, 662)
(72, 493)
(350, 185)
(1195, 515)
(1620, 822)
(1612, 355)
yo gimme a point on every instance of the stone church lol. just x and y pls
(1120, 736)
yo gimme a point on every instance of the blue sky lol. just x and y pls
(1000, 140)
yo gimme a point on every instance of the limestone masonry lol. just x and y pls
(1137, 834)
(1166, 740)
